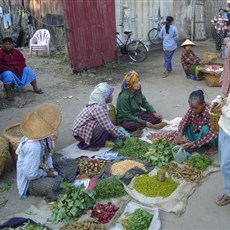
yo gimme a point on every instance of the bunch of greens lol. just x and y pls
(109, 188)
(134, 148)
(199, 162)
(140, 219)
(72, 204)
(160, 152)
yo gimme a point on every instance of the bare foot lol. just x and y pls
(159, 125)
(210, 152)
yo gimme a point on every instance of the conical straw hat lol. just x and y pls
(187, 43)
(41, 121)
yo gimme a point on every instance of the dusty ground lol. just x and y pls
(169, 97)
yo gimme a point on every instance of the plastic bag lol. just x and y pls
(179, 154)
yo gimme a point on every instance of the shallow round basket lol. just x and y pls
(4, 151)
(213, 79)
(14, 135)
(214, 119)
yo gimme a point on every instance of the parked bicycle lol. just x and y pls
(154, 32)
(135, 49)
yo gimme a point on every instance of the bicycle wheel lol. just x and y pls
(153, 36)
(137, 51)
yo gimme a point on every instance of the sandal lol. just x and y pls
(223, 200)
(93, 149)
(38, 91)
(10, 98)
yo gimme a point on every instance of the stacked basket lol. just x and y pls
(213, 79)
(4, 150)
(13, 135)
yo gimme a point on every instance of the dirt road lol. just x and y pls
(168, 95)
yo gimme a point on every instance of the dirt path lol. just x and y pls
(168, 95)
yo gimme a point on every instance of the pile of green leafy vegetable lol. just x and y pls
(140, 219)
(199, 162)
(160, 152)
(72, 204)
(134, 148)
(109, 188)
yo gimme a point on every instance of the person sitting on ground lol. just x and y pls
(36, 174)
(133, 110)
(13, 69)
(189, 60)
(92, 126)
(196, 125)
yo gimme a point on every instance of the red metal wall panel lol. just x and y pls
(90, 32)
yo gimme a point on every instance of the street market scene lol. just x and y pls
(114, 114)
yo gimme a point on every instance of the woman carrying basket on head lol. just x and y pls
(196, 125)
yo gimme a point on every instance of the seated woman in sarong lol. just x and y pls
(92, 126)
(13, 70)
(196, 124)
(36, 172)
(189, 60)
(133, 110)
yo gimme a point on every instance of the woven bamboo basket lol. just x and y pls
(4, 151)
(214, 119)
(209, 57)
(14, 135)
(213, 79)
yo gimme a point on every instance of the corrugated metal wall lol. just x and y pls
(143, 14)
(90, 32)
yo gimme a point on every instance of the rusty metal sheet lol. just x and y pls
(90, 32)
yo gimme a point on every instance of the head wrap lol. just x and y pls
(101, 94)
(129, 80)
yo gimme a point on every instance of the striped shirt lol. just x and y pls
(87, 119)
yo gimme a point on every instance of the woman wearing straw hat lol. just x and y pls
(133, 110)
(92, 126)
(34, 160)
(189, 60)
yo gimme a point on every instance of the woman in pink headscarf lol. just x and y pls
(225, 77)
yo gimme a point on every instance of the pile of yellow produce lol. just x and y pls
(120, 168)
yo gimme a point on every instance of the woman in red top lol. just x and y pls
(13, 69)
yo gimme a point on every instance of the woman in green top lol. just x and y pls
(133, 110)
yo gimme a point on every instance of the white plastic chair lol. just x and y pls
(40, 41)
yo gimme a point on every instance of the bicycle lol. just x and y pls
(153, 34)
(136, 49)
